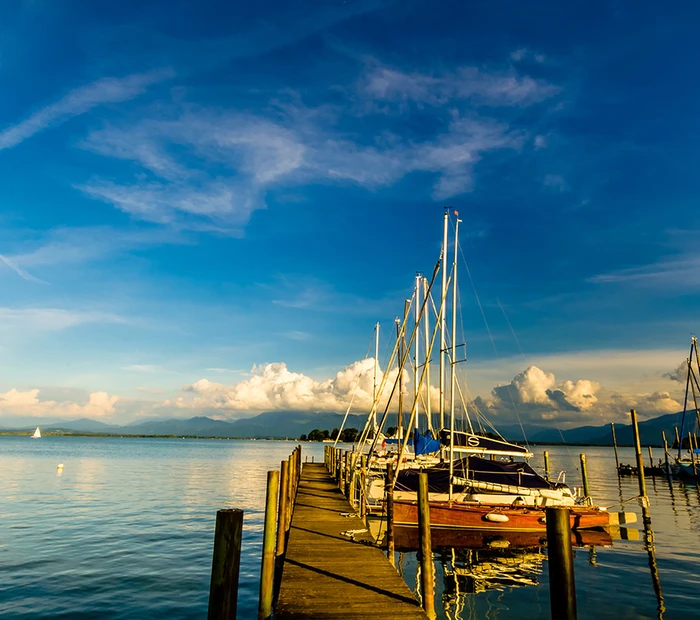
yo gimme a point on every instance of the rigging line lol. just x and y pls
(354, 392)
(493, 344)
(512, 331)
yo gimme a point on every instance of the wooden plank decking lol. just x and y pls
(326, 575)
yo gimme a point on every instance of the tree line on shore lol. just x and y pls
(348, 435)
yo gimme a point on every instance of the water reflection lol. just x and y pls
(475, 562)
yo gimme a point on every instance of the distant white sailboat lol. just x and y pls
(37, 434)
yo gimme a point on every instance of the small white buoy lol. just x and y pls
(59, 466)
(496, 517)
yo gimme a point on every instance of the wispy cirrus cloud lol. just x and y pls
(79, 101)
(205, 168)
(52, 319)
(22, 273)
(482, 87)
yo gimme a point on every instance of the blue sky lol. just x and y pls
(191, 189)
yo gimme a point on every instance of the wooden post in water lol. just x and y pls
(584, 477)
(226, 562)
(546, 464)
(678, 439)
(267, 571)
(390, 513)
(638, 452)
(651, 456)
(426, 550)
(663, 437)
(346, 483)
(283, 508)
(560, 559)
(692, 453)
(363, 486)
(617, 460)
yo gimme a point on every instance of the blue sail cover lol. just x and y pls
(424, 444)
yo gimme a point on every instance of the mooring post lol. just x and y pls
(283, 508)
(663, 436)
(560, 559)
(546, 464)
(426, 550)
(267, 571)
(346, 481)
(390, 514)
(363, 486)
(584, 477)
(638, 452)
(225, 566)
(651, 456)
(692, 453)
(678, 439)
(617, 460)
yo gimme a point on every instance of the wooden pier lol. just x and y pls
(330, 575)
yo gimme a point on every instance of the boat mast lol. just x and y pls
(416, 348)
(376, 365)
(685, 401)
(399, 418)
(428, 412)
(443, 295)
(453, 362)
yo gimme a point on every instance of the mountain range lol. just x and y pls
(292, 424)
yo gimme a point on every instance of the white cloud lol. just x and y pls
(541, 142)
(556, 182)
(274, 386)
(80, 101)
(14, 402)
(537, 397)
(22, 273)
(210, 169)
(481, 87)
(51, 319)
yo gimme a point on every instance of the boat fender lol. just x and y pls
(496, 517)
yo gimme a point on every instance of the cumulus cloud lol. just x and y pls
(274, 386)
(679, 373)
(28, 403)
(537, 397)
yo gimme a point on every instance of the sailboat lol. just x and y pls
(687, 464)
(37, 434)
(474, 480)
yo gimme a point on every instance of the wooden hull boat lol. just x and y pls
(496, 518)
(406, 539)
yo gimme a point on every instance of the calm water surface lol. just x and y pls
(126, 531)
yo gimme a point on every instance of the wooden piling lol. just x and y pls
(546, 464)
(584, 477)
(663, 437)
(692, 454)
(347, 477)
(638, 453)
(390, 514)
(678, 439)
(617, 460)
(267, 571)
(226, 563)
(283, 513)
(363, 486)
(651, 457)
(426, 550)
(560, 559)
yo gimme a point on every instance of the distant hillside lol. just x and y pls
(292, 424)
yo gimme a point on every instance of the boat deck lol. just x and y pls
(329, 575)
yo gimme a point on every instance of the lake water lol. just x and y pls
(126, 531)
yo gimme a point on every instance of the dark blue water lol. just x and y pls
(126, 531)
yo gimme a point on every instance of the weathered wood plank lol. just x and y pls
(327, 575)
